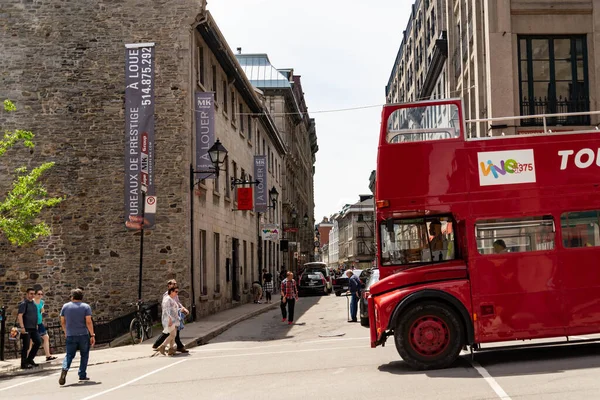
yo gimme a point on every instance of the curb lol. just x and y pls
(199, 341)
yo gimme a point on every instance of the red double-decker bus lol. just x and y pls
(482, 240)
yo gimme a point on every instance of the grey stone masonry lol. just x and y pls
(62, 62)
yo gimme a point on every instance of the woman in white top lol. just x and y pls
(170, 320)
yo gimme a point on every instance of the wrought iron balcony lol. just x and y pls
(545, 105)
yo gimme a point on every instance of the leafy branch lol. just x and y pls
(20, 209)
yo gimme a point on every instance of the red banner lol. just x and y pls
(245, 198)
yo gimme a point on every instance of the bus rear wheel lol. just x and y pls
(429, 336)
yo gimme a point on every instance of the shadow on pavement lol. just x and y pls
(513, 362)
(87, 383)
(269, 326)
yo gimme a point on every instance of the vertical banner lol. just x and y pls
(261, 197)
(244, 196)
(205, 132)
(139, 132)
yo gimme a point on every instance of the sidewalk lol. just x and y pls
(195, 334)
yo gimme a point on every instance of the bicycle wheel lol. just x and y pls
(136, 331)
(148, 327)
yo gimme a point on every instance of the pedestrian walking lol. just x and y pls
(354, 285)
(170, 321)
(282, 304)
(171, 283)
(27, 318)
(76, 323)
(289, 296)
(39, 302)
(267, 285)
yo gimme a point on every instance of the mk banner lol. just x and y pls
(205, 132)
(139, 132)
(261, 198)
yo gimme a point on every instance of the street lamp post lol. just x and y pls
(217, 154)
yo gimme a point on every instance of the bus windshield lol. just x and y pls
(417, 240)
(418, 124)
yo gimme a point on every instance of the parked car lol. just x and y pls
(364, 308)
(312, 282)
(340, 284)
(322, 268)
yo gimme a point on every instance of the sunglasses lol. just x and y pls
(40, 294)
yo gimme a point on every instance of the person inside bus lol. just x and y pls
(437, 242)
(500, 247)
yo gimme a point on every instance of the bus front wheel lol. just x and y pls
(429, 336)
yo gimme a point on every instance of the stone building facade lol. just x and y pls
(356, 234)
(63, 67)
(503, 58)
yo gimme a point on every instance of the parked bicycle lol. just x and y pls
(141, 325)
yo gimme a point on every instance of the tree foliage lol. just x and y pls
(20, 209)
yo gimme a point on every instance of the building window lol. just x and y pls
(241, 110)
(360, 218)
(225, 97)
(202, 260)
(217, 248)
(201, 65)
(214, 83)
(553, 76)
(362, 248)
(581, 229)
(361, 231)
(252, 260)
(227, 179)
(249, 127)
(233, 119)
(245, 266)
(234, 165)
(515, 235)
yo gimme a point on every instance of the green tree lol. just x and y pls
(20, 209)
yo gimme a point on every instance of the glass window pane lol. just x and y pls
(523, 49)
(541, 90)
(524, 75)
(563, 70)
(499, 236)
(564, 91)
(524, 91)
(562, 49)
(539, 49)
(541, 70)
(580, 76)
(580, 229)
(579, 44)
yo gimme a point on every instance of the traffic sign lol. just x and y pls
(150, 204)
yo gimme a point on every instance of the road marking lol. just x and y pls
(277, 352)
(133, 380)
(26, 382)
(490, 381)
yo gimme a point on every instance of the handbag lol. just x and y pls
(14, 333)
(181, 318)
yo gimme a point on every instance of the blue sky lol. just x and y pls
(344, 50)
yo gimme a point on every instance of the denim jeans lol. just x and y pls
(26, 355)
(74, 343)
(353, 305)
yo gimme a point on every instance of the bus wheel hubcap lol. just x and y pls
(429, 336)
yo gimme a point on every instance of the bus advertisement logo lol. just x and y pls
(506, 167)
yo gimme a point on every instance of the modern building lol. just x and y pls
(333, 249)
(285, 101)
(65, 72)
(503, 58)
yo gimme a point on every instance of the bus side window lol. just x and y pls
(580, 229)
(513, 235)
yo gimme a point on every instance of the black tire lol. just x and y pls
(338, 293)
(364, 321)
(136, 332)
(442, 323)
(149, 330)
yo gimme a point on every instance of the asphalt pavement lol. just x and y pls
(322, 356)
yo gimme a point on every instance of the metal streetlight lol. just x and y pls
(273, 196)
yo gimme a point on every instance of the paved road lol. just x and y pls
(264, 358)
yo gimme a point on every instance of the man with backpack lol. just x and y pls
(27, 319)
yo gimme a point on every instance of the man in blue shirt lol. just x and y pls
(354, 285)
(27, 318)
(76, 322)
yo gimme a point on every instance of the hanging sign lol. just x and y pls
(261, 197)
(270, 232)
(205, 132)
(244, 196)
(139, 132)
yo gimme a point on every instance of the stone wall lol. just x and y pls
(62, 63)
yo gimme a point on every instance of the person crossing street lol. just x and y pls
(289, 296)
(171, 283)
